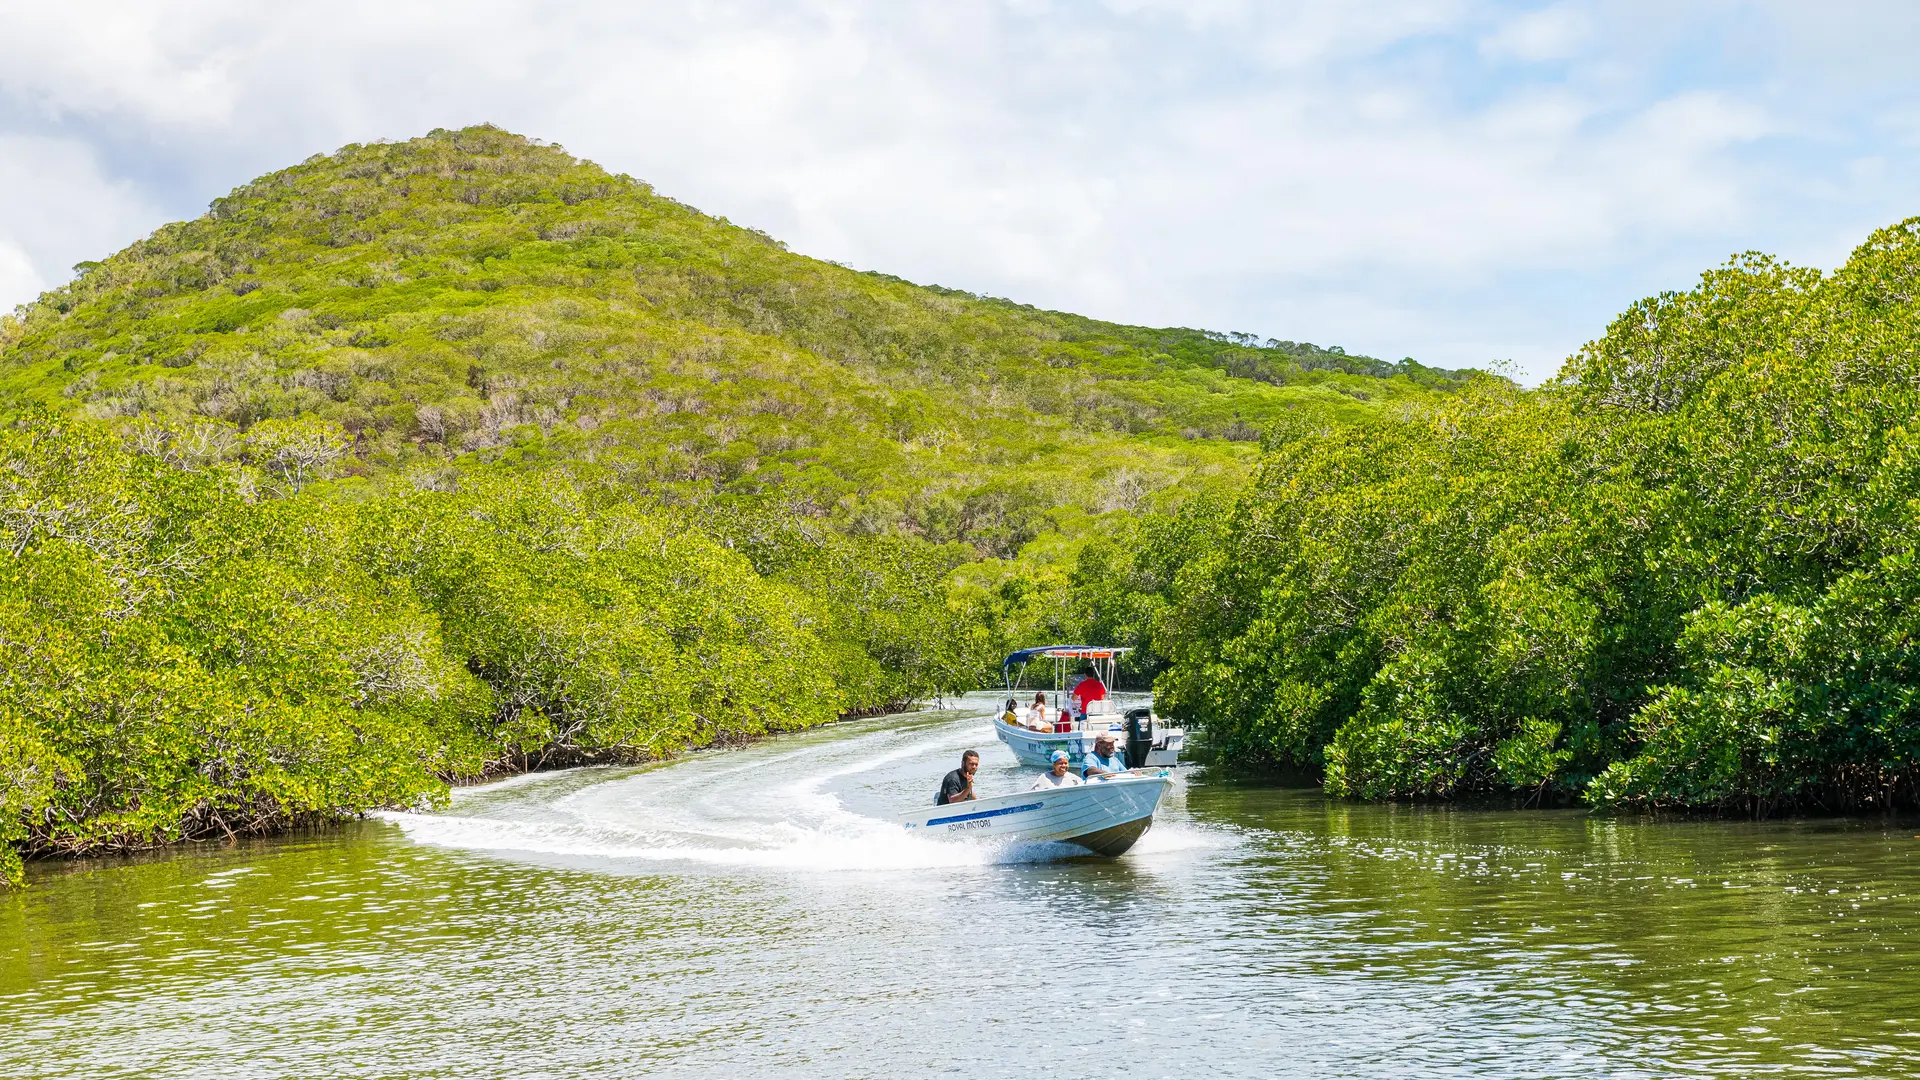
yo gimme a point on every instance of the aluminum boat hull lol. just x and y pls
(1105, 817)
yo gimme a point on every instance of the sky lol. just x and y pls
(1466, 182)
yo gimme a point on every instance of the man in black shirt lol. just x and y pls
(958, 786)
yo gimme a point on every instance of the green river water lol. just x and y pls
(746, 913)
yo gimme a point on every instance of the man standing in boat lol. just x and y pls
(958, 785)
(1087, 691)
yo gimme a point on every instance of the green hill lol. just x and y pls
(428, 461)
(476, 295)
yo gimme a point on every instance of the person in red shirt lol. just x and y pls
(1087, 691)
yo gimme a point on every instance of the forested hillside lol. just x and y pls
(424, 461)
(475, 295)
(1683, 574)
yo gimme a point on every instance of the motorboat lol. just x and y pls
(1105, 817)
(1147, 740)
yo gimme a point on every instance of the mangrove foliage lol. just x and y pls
(1681, 574)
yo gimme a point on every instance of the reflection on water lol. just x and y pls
(748, 913)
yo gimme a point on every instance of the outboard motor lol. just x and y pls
(1139, 736)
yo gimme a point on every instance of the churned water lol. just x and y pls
(749, 913)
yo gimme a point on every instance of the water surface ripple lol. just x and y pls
(747, 913)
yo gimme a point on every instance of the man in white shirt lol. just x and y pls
(1061, 775)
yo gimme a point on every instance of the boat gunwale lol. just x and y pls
(919, 819)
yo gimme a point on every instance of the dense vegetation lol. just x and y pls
(425, 461)
(420, 462)
(1683, 574)
(475, 296)
(185, 656)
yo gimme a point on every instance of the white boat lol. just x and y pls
(1146, 740)
(1105, 817)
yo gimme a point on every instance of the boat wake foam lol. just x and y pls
(883, 848)
(790, 805)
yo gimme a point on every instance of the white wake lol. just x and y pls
(815, 802)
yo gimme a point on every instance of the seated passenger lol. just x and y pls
(1103, 761)
(1061, 775)
(957, 786)
(1037, 715)
(1011, 714)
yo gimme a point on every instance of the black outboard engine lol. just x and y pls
(1139, 736)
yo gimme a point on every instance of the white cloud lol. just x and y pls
(1369, 173)
(17, 275)
(1553, 33)
(151, 61)
(57, 208)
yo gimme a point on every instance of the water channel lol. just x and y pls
(745, 913)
